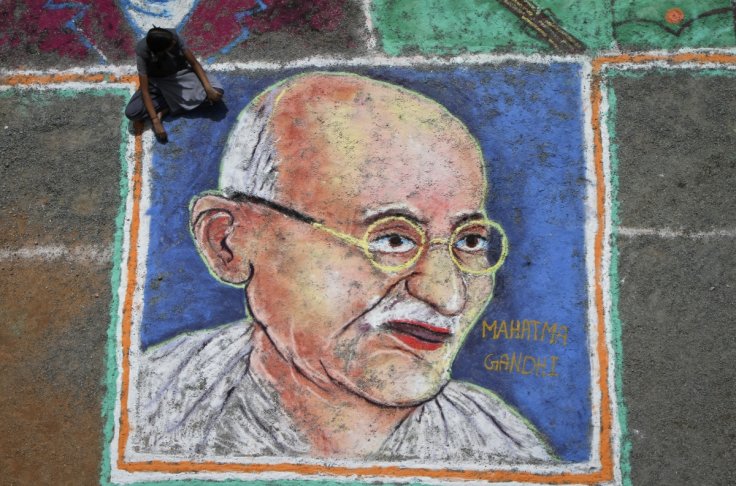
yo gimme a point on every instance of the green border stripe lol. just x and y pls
(613, 71)
(616, 324)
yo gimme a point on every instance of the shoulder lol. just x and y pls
(179, 39)
(488, 413)
(142, 56)
(182, 384)
(195, 348)
(141, 49)
(465, 422)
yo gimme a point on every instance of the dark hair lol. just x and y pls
(159, 39)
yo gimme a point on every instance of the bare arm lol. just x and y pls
(212, 94)
(145, 93)
(158, 127)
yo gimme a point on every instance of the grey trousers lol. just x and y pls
(136, 110)
(179, 92)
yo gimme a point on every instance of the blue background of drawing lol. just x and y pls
(529, 122)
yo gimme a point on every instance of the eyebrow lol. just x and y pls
(242, 197)
(387, 213)
(456, 221)
(465, 217)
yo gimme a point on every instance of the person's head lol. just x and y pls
(160, 40)
(339, 198)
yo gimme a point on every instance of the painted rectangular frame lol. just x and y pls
(612, 462)
(597, 469)
(148, 222)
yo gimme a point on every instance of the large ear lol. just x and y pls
(215, 223)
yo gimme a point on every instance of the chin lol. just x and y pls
(391, 386)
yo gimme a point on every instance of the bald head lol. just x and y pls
(311, 132)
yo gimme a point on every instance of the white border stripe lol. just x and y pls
(130, 161)
(318, 61)
(71, 86)
(141, 272)
(371, 39)
(384, 60)
(95, 254)
(680, 233)
(591, 227)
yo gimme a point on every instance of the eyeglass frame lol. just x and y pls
(362, 243)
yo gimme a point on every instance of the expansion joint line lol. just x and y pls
(544, 26)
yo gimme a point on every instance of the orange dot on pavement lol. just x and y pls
(674, 15)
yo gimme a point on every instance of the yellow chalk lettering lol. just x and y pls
(524, 370)
(540, 366)
(553, 362)
(562, 334)
(490, 364)
(502, 329)
(515, 329)
(549, 331)
(526, 330)
(503, 362)
(486, 327)
(519, 363)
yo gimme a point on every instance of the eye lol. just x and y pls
(472, 243)
(392, 243)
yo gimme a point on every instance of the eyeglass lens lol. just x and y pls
(394, 242)
(477, 246)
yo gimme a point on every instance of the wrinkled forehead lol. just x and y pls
(355, 147)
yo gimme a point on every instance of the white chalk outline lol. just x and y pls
(91, 254)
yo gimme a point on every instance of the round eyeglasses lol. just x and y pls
(394, 244)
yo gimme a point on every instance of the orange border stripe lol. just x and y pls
(606, 452)
(25, 79)
(696, 57)
(129, 294)
(395, 471)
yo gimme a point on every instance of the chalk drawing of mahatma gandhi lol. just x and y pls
(351, 212)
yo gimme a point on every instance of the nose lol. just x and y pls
(437, 281)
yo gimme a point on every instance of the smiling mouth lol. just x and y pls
(418, 335)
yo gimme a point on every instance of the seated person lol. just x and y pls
(171, 80)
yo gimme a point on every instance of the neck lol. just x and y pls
(335, 421)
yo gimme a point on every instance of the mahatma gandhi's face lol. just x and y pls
(389, 336)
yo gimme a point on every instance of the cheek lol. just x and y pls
(479, 293)
(313, 290)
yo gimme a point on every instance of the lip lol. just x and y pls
(417, 334)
